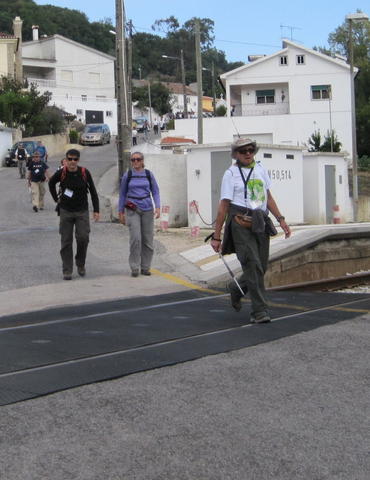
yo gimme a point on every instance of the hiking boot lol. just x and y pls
(81, 271)
(145, 272)
(135, 273)
(235, 298)
(35, 209)
(67, 276)
(261, 317)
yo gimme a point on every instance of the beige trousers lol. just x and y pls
(38, 193)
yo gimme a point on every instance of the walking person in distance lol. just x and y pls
(138, 191)
(246, 201)
(38, 172)
(75, 183)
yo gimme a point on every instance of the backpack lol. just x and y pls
(64, 173)
(148, 176)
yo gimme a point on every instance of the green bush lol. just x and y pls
(221, 111)
(73, 136)
(171, 124)
(364, 163)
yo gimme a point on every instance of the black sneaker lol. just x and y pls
(135, 273)
(235, 298)
(146, 272)
(35, 209)
(81, 271)
(67, 276)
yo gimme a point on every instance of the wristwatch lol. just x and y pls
(279, 219)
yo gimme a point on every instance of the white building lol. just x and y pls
(177, 98)
(282, 99)
(80, 78)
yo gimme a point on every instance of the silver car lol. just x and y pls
(95, 134)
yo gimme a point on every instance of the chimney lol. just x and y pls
(35, 32)
(18, 68)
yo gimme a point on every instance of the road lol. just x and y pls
(30, 243)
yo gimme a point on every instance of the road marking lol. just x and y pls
(180, 281)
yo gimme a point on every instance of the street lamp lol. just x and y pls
(181, 59)
(351, 18)
(212, 70)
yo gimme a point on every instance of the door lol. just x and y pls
(94, 116)
(330, 192)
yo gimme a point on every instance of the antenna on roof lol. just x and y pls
(291, 28)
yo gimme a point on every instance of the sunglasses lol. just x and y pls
(72, 159)
(243, 151)
(136, 159)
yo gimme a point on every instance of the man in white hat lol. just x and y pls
(245, 203)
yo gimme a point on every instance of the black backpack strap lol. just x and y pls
(148, 176)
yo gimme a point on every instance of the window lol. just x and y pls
(289, 156)
(265, 96)
(79, 111)
(101, 98)
(267, 155)
(300, 60)
(109, 113)
(320, 92)
(84, 98)
(66, 75)
(94, 77)
(284, 60)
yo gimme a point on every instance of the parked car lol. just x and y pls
(10, 160)
(140, 121)
(95, 134)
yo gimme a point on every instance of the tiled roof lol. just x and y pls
(177, 140)
(178, 88)
(7, 35)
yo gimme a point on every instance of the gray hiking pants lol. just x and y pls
(141, 227)
(252, 251)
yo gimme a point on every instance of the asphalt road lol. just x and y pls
(30, 242)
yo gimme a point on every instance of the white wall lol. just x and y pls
(170, 173)
(6, 142)
(314, 193)
(288, 130)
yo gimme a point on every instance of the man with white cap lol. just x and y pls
(245, 203)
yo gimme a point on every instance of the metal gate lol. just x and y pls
(94, 116)
(330, 192)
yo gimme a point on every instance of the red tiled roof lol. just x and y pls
(178, 88)
(169, 140)
(7, 35)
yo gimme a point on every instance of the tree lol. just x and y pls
(19, 104)
(329, 144)
(339, 42)
(49, 121)
(160, 97)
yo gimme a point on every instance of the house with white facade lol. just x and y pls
(80, 78)
(177, 98)
(282, 99)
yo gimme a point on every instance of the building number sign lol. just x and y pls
(280, 174)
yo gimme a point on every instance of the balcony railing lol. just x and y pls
(244, 110)
(42, 82)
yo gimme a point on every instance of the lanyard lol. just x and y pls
(244, 180)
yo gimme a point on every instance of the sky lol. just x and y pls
(241, 27)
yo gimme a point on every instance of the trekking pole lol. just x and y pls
(231, 273)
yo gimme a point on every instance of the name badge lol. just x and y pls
(68, 193)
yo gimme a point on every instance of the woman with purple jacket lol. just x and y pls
(138, 191)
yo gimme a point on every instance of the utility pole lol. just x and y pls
(199, 82)
(183, 83)
(150, 104)
(124, 135)
(129, 77)
(213, 88)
